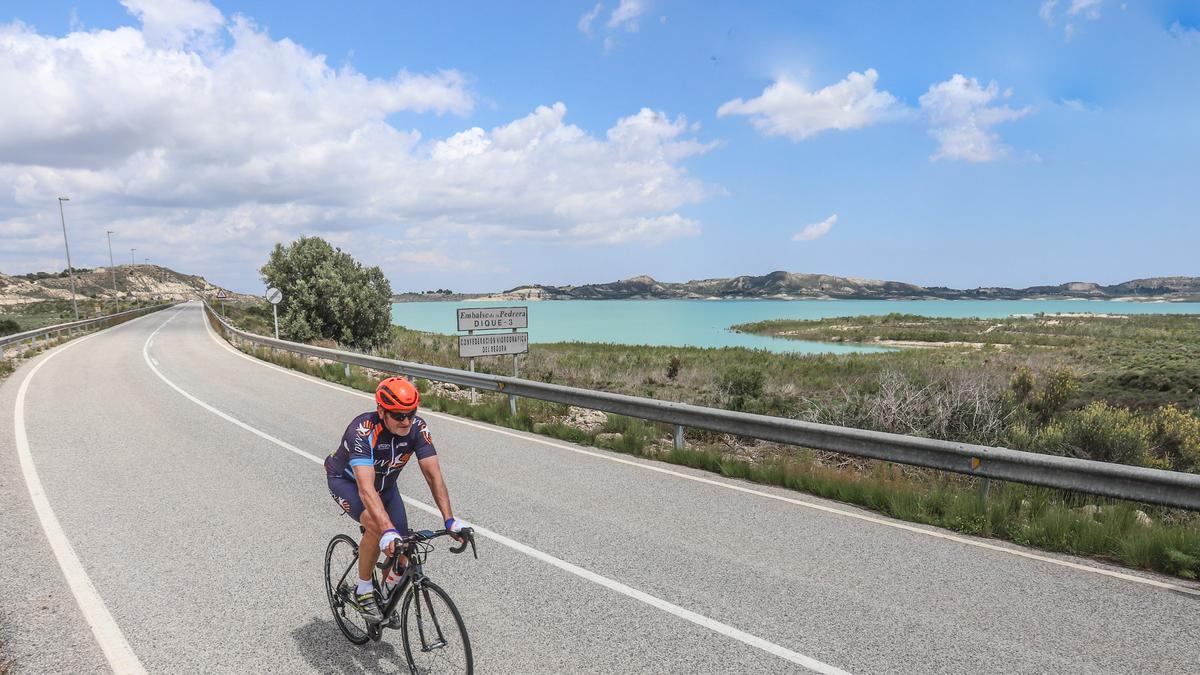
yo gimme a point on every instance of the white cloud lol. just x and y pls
(215, 152)
(585, 21)
(1182, 32)
(1078, 10)
(816, 230)
(1088, 9)
(623, 19)
(1079, 105)
(1046, 11)
(626, 15)
(787, 108)
(175, 23)
(960, 115)
(654, 230)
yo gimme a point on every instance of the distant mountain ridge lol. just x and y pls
(794, 286)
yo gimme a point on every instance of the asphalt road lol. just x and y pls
(184, 480)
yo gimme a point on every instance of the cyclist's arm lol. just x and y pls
(372, 504)
(437, 486)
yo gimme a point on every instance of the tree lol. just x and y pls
(327, 294)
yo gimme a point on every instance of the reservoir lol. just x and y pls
(705, 323)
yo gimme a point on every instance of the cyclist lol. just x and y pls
(362, 475)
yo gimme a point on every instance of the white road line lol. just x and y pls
(112, 642)
(658, 603)
(739, 488)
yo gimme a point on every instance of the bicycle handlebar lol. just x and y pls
(465, 536)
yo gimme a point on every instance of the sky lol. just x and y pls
(481, 146)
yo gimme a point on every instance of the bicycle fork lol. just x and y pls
(427, 617)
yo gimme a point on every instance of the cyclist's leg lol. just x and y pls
(344, 490)
(393, 503)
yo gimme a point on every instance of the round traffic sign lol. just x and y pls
(274, 295)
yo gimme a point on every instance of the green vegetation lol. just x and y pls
(327, 295)
(37, 276)
(33, 315)
(1055, 398)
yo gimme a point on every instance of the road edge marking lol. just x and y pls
(104, 627)
(739, 488)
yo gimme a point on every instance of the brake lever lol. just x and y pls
(468, 536)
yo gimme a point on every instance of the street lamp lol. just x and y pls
(111, 266)
(70, 270)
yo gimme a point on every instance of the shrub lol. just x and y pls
(673, 368)
(1175, 435)
(740, 384)
(1106, 433)
(1057, 388)
(1021, 383)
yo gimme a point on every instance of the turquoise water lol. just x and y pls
(705, 323)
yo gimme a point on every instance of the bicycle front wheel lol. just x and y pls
(435, 639)
(341, 575)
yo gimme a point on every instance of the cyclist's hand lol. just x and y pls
(456, 525)
(387, 543)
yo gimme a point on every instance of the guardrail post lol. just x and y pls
(985, 486)
(512, 399)
(678, 436)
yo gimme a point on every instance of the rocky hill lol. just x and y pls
(793, 286)
(132, 282)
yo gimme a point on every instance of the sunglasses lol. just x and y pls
(401, 417)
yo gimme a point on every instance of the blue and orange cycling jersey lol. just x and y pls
(367, 442)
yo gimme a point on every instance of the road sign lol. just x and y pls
(492, 344)
(274, 295)
(221, 294)
(493, 318)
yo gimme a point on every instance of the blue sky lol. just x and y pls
(481, 147)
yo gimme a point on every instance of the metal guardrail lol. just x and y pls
(82, 325)
(1155, 486)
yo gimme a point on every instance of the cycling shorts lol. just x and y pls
(344, 491)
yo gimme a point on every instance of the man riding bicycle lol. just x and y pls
(362, 475)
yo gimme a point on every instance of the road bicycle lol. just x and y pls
(435, 639)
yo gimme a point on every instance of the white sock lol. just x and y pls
(364, 587)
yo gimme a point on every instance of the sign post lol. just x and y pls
(274, 295)
(493, 344)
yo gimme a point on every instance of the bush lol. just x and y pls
(8, 327)
(1057, 388)
(326, 294)
(673, 368)
(1103, 432)
(1021, 383)
(741, 384)
(1175, 435)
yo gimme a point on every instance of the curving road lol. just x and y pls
(165, 511)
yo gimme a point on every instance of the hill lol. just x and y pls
(133, 282)
(795, 286)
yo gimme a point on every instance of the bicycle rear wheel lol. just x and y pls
(435, 639)
(341, 576)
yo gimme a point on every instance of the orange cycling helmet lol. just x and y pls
(397, 394)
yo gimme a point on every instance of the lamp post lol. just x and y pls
(111, 266)
(70, 270)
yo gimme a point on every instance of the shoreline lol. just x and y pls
(465, 297)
